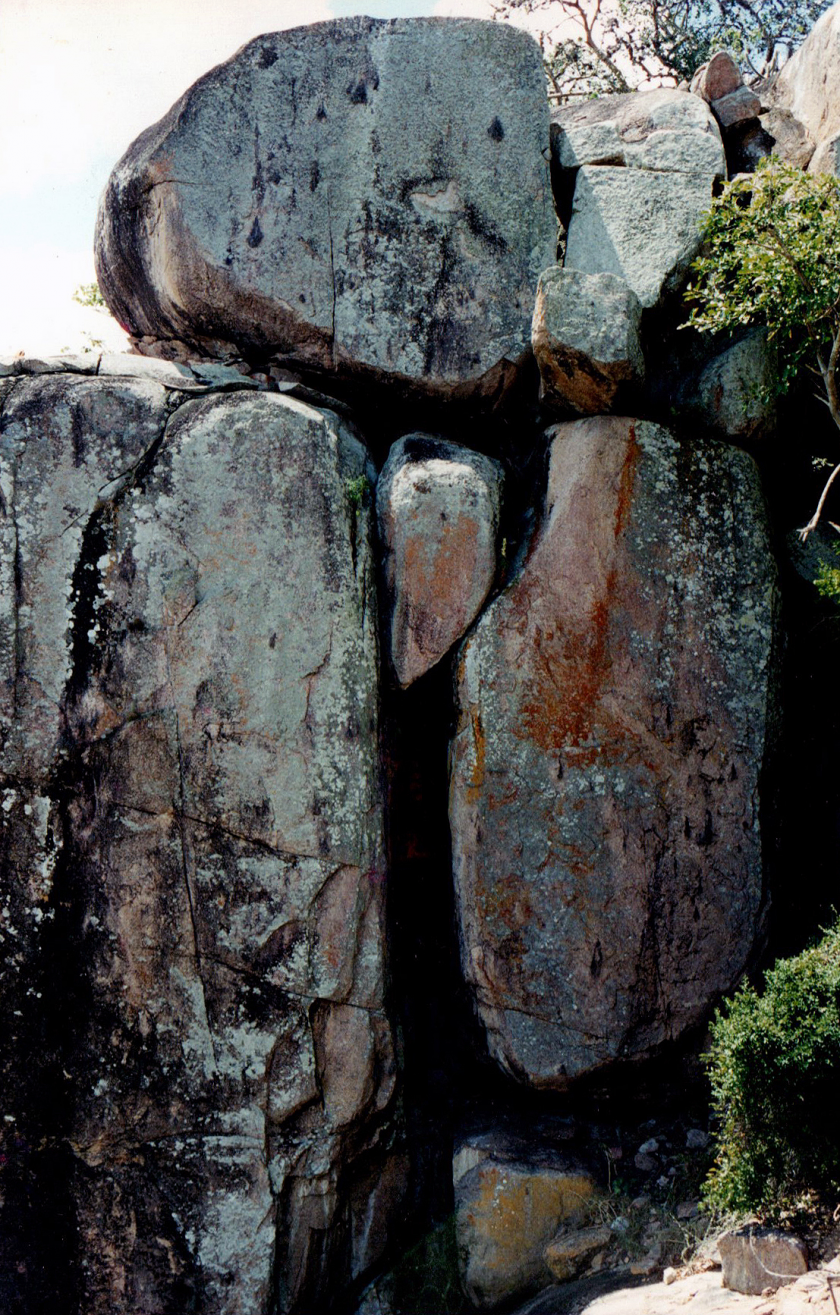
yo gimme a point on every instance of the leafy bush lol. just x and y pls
(772, 258)
(775, 1074)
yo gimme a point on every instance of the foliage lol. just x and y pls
(828, 581)
(88, 294)
(596, 46)
(775, 1069)
(358, 490)
(772, 257)
(427, 1277)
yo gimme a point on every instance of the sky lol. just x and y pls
(79, 79)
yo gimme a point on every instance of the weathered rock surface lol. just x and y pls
(570, 1251)
(191, 759)
(791, 140)
(362, 196)
(739, 106)
(639, 224)
(438, 506)
(586, 339)
(755, 1259)
(735, 391)
(509, 1206)
(806, 88)
(660, 129)
(614, 705)
(646, 164)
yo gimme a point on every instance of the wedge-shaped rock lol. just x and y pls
(358, 196)
(196, 613)
(614, 709)
(510, 1201)
(647, 163)
(642, 225)
(438, 506)
(586, 339)
(659, 129)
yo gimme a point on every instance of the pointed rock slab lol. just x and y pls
(362, 196)
(614, 707)
(438, 506)
(643, 225)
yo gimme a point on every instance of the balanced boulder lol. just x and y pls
(438, 506)
(334, 197)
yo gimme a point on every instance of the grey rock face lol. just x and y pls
(642, 225)
(190, 650)
(791, 139)
(438, 506)
(358, 196)
(755, 1259)
(735, 391)
(646, 166)
(585, 336)
(605, 771)
(661, 129)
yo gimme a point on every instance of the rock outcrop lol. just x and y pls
(646, 163)
(805, 88)
(438, 506)
(509, 1205)
(614, 706)
(332, 198)
(193, 808)
(240, 963)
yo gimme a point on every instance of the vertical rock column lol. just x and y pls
(221, 886)
(68, 444)
(615, 704)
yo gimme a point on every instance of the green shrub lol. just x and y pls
(775, 1074)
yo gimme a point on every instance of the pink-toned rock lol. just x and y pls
(613, 711)
(438, 508)
(717, 78)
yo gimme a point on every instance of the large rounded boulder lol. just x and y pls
(359, 197)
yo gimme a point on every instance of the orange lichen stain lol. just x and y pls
(518, 1211)
(571, 664)
(476, 781)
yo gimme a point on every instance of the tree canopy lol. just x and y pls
(596, 46)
